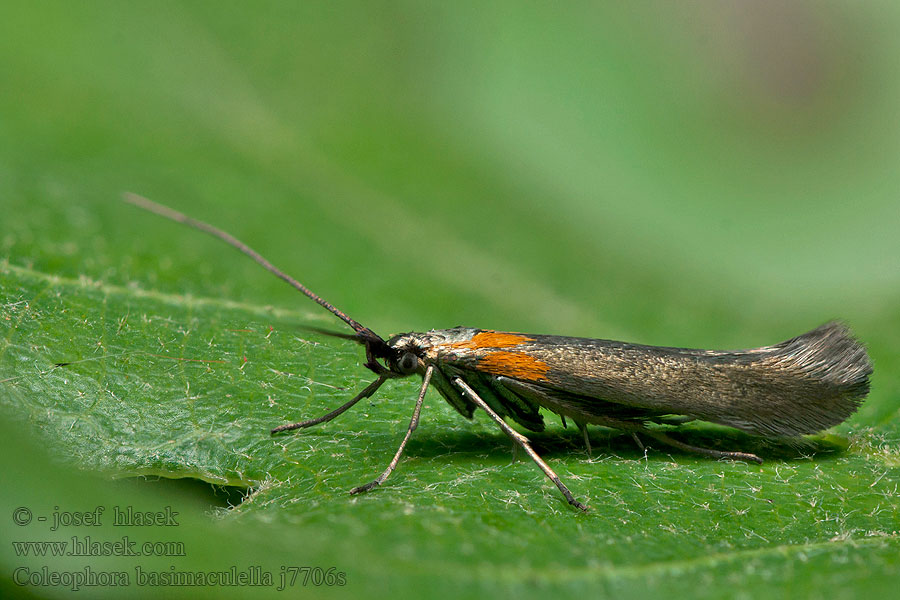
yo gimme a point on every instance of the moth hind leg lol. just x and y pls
(732, 455)
(634, 428)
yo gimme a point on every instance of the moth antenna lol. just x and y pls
(337, 334)
(164, 211)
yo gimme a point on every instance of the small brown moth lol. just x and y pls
(801, 386)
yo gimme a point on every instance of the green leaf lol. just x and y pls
(421, 171)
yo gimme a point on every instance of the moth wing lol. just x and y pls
(579, 408)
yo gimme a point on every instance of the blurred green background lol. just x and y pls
(695, 174)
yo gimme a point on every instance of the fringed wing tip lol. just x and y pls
(832, 354)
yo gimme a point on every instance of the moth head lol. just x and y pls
(407, 352)
(406, 364)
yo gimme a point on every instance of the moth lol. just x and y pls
(801, 386)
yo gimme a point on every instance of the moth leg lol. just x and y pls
(521, 440)
(662, 437)
(587, 441)
(637, 441)
(414, 422)
(370, 389)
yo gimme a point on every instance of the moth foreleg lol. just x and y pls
(413, 423)
(521, 440)
(370, 389)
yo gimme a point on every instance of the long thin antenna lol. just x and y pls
(174, 215)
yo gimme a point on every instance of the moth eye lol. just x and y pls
(408, 363)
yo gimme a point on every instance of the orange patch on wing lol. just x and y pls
(514, 364)
(493, 339)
